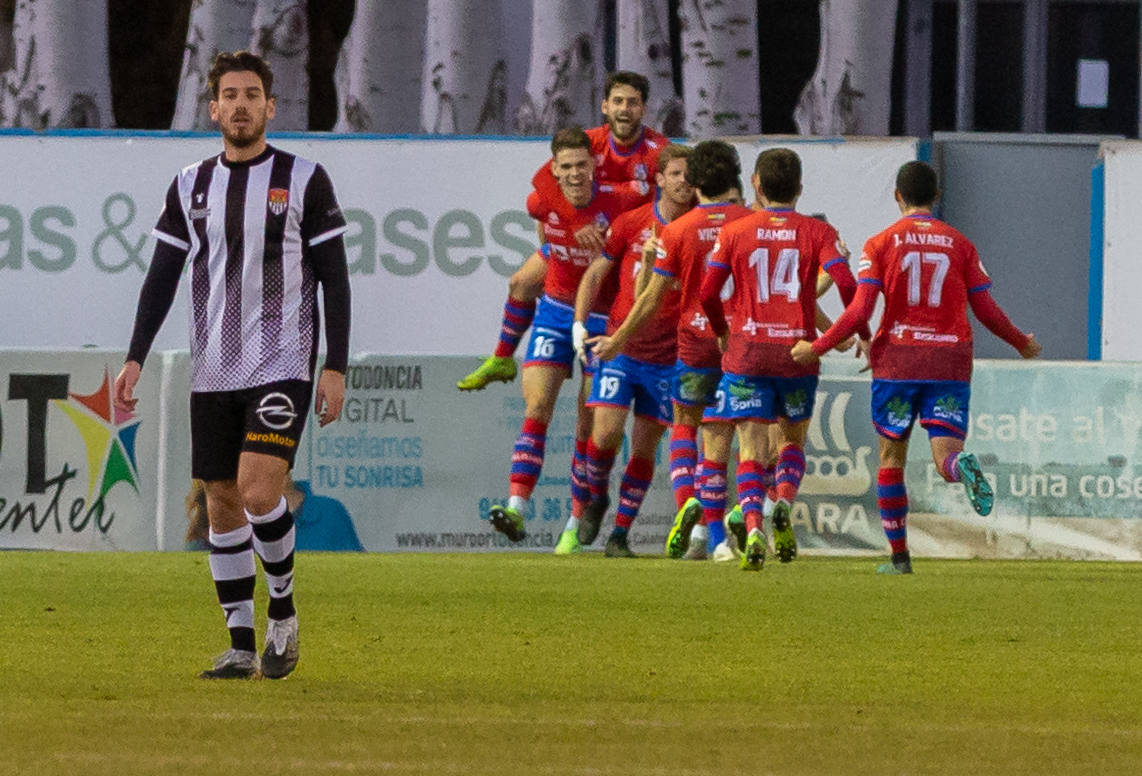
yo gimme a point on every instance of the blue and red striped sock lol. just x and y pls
(599, 463)
(527, 458)
(580, 494)
(683, 462)
(632, 490)
(950, 471)
(712, 491)
(751, 492)
(517, 317)
(892, 500)
(790, 469)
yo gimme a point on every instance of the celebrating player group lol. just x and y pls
(701, 315)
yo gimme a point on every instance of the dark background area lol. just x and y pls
(147, 40)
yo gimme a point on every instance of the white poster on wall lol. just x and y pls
(75, 473)
(436, 228)
(1121, 270)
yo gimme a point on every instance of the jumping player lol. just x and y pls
(551, 351)
(626, 156)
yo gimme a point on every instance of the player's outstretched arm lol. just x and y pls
(645, 306)
(989, 313)
(585, 297)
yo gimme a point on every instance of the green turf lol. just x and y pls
(529, 664)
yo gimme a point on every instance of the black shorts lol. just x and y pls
(267, 419)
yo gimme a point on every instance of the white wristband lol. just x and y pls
(578, 337)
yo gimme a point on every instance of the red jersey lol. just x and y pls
(566, 260)
(656, 340)
(683, 249)
(632, 167)
(773, 257)
(926, 270)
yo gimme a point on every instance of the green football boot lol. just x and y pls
(754, 558)
(568, 543)
(494, 368)
(678, 540)
(508, 521)
(735, 526)
(784, 543)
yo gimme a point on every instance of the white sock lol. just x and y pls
(572, 524)
(699, 533)
(518, 503)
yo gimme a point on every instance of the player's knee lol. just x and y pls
(523, 287)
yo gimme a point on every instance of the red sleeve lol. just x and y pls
(996, 321)
(537, 206)
(618, 236)
(711, 296)
(847, 287)
(854, 315)
(544, 180)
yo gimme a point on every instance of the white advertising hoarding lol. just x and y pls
(436, 228)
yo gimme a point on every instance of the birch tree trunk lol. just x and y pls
(281, 37)
(215, 25)
(851, 91)
(464, 90)
(643, 43)
(380, 67)
(564, 82)
(720, 67)
(60, 75)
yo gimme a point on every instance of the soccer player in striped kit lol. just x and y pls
(262, 230)
(921, 355)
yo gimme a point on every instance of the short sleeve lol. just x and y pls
(321, 217)
(171, 227)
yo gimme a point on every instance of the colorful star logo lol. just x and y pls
(109, 434)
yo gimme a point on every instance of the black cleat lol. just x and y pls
(617, 546)
(592, 519)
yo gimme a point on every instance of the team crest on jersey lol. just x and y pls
(777, 220)
(640, 171)
(278, 201)
(601, 220)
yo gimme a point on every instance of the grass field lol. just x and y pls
(528, 664)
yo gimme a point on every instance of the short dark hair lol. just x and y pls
(917, 184)
(626, 78)
(778, 172)
(671, 152)
(570, 137)
(240, 61)
(713, 167)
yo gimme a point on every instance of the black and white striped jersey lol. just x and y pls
(253, 233)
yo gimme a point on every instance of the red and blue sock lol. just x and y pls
(751, 492)
(632, 490)
(949, 470)
(790, 469)
(517, 317)
(527, 458)
(712, 495)
(892, 500)
(683, 462)
(580, 494)
(598, 465)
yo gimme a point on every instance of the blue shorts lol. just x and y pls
(624, 379)
(550, 343)
(693, 386)
(764, 399)
(942, 407)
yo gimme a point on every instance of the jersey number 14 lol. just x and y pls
(785, 278)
